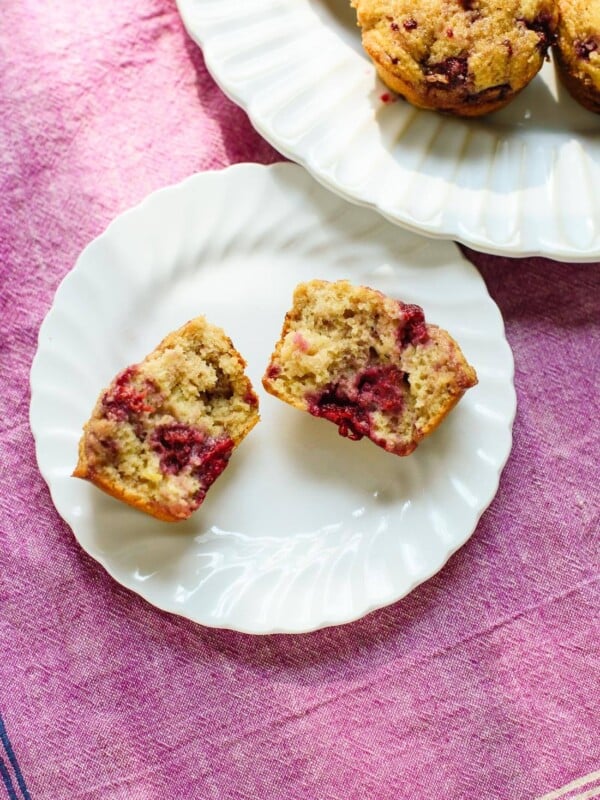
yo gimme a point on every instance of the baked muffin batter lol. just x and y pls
(368, 363)
(467, 57)
(578, 50)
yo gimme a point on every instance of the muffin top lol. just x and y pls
(470, 46)
(579, 38)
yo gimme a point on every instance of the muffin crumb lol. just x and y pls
(164, 430)
(367, 363)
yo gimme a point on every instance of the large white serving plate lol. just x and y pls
(524, 181)
(303, 529)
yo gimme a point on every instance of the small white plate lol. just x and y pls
(304, 529)
(524, 181)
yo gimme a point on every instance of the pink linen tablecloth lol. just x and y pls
(483, 683)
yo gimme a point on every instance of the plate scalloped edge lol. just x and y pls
(525, 221)
(56, 428)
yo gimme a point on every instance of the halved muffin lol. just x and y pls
(367, 363)
(164, 429)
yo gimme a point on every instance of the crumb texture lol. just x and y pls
(467, 57)
(367, 363)
(164, 429)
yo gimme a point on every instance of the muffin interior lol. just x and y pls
(164, 429)
(366, 362)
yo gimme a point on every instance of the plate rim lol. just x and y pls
(439, 232)
(37, 425)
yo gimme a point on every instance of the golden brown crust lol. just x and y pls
(463, 57)
(110, 488)
(583, 91)
(446, 101)
(291, 316)
(336, 332)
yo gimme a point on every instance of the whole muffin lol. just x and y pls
(577, 50)
(465, 57)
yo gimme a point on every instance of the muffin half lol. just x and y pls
(367, 363)
(577, 50)
(164, 429)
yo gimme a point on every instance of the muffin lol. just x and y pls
(465, 57)
(367, 363)
(164, 429)
(577, 50)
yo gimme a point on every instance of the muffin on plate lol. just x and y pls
(577, 50)
(164, 429)
(465, 57)
(368, 363)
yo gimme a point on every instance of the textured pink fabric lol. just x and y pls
(484, 683)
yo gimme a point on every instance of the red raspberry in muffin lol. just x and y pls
(164, 430)
(367, 363)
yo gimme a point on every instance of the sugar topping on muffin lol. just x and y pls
(466, 57)
(577, 50)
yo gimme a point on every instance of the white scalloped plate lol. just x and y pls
(524, 181)
(304, 529)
